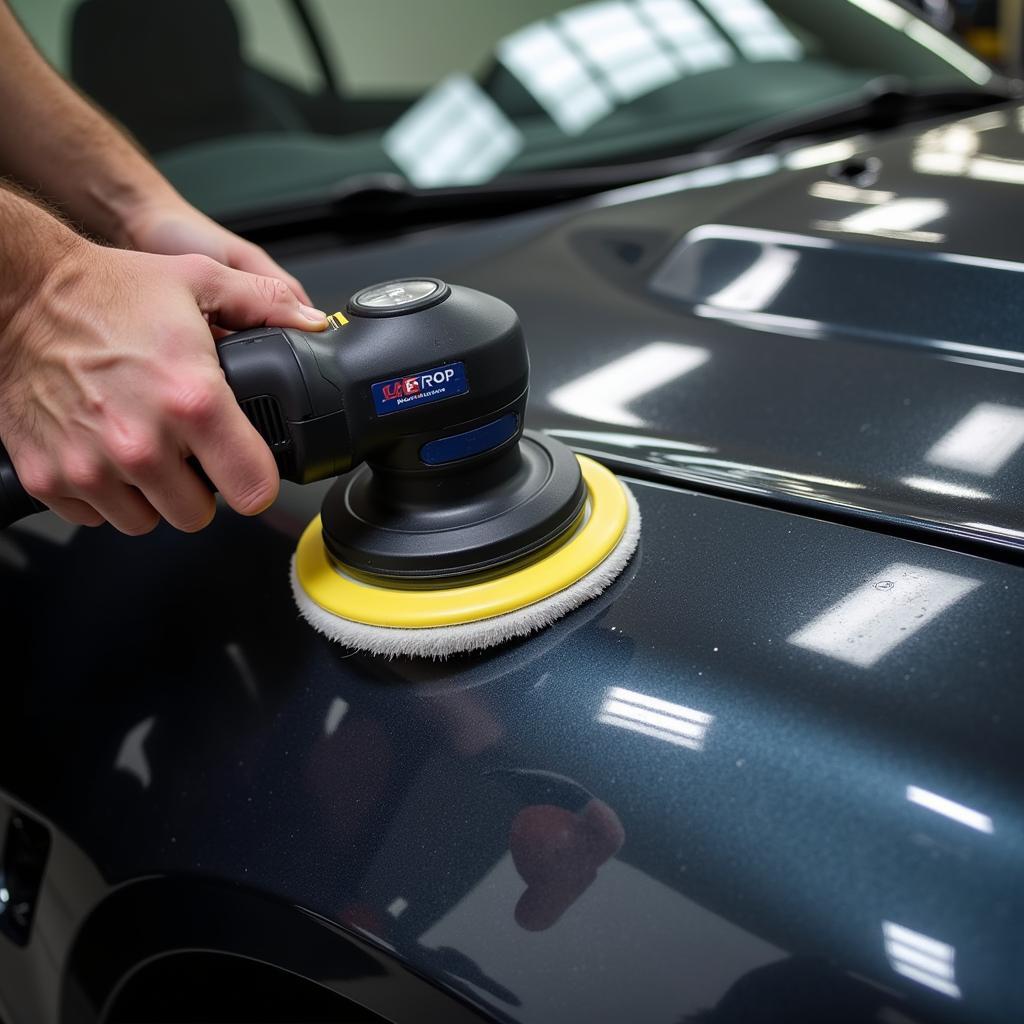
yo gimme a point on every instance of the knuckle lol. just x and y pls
(201, 267)
(137, 454)
(41, 480)
(84, 474)
(195, 400)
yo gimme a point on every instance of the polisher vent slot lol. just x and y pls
(265, 415)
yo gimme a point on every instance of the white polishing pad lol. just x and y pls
(442, 641)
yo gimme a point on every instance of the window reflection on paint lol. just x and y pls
(882, 613)
(604, 393)
(921, 958)
(950, 809)
(454, 135)
(651, 716)
(982, 442)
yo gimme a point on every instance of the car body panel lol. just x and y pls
(797, 741)
(230, 742)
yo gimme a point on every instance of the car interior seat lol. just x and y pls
(173, 72)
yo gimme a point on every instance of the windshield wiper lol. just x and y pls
(881, 103)
(381, 202)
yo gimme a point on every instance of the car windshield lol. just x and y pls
(245, 103)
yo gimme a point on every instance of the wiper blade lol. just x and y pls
(386, 201)
(882, 103)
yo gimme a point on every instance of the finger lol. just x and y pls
(84, 477)
(254, 260)
(74, 511)
(233, 455)
(125, 509)
(236, 300)
(159, 471)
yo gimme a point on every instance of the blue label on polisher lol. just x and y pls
(434, 385)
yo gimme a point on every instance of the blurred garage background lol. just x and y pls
(317, 96)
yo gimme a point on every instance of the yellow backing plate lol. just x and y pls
(400, 607)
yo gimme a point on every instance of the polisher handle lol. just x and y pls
(15, 502)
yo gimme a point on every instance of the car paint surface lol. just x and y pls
(777, 765)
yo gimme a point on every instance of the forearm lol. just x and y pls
(55, 142)
(32, 244)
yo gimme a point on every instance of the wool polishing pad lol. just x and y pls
(443, 617)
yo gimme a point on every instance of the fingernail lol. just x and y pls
(317, 316)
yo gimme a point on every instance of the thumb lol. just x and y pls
(237, 300)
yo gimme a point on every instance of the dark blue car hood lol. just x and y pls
(792, 729)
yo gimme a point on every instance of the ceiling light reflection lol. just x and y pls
(704, 177)
(581, 64)
(950, 809)
(983, 441)
(685, 30)
(604, 393)
(930, 38)
(453, 135)
(900, 218)
(946, 49)
(924, 483)
(994, 168)
(398, 906)
(816, 156)
(882, 613)
(884, 10)
(841, 193)
(131, 755)
(921, 958)
(631, 441)
(616, 41)
(1003, 531)
(755, 29)
(335, 713)
(758, 285)
(651, 716)
(545, 64)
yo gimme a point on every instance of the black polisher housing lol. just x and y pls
(424, 389)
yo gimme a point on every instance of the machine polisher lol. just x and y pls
(451, 528)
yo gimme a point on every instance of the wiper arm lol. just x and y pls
(882, 103)
(381, 202)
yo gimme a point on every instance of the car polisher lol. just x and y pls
(453, 529)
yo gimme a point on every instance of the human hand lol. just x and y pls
(557, 852)
(171, 227)
(109, 381)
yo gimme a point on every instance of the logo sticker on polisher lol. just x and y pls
(416, 388)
